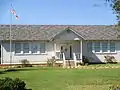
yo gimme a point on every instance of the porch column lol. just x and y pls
(55, 49)
(1, 47)
(81, 50)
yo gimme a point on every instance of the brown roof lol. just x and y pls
(47, 32)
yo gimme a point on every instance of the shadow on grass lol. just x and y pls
(1, 72)
(19, 69)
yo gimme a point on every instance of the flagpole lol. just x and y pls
(10, 37)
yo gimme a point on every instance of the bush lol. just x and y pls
(51, 62)
(85, 60)
(110, 59)
(25, 63)
(10, 84)
(115, 87)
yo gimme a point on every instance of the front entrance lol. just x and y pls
(67, 50)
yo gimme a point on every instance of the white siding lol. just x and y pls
(32, 58)
(99, 57)
(42, 58)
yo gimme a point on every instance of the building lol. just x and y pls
(38, 43)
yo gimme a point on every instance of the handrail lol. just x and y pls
(75, 59)
(77, 55)
(64, 62)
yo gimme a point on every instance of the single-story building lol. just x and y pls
(38, 43)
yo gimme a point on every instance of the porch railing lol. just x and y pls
(77, 56)
(75, 59)
(64, 62)
(59, 55)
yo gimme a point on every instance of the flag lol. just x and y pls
(14, 12)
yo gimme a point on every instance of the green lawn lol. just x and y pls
(38, 78)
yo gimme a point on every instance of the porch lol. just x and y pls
(68, 51)
(68, 46)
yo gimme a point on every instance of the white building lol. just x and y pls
(38, 43)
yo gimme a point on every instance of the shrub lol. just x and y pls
(10, 84)
(85, 60)
(110, 59)
(115, 87)
(25, 63)
(51, 62)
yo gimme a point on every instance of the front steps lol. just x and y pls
(69, 64)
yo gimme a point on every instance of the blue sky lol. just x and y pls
(78, 12)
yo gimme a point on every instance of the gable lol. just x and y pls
(67, 35)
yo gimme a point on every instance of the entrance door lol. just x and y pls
(67, 50)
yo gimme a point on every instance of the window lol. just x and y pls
(101, 47)
(25, 47)
(34, 48)
(89, 46)
(112, 46)
(105, 46)
(97, 46)
(17, 47)
(42, 47)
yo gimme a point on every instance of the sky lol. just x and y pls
(57, 12)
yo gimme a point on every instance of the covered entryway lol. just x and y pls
(67, 50)
(68, 46)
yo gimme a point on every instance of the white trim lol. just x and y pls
(30, 49)
(21, 50)
(115, 46)
(100, 47)
(55, 49)
(28, 46)
(77, 33)
(44, 48)
(65, 30)
(93, 47)
(37, 48)
(81, 51)
(106, 52)
(1, 52)
(89, 46)
(108, 48)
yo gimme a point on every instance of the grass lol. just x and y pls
(38, 78)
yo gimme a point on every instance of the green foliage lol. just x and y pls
(85, 60)
(115, 87)
(118, 27)
(51, 62)
(25, 63)
(110, 59)
(116, 8)
(10, 84)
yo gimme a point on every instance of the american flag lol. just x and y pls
(14, 12)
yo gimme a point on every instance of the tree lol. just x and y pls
(115, 4)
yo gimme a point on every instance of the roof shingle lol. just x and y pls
(46, 32)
